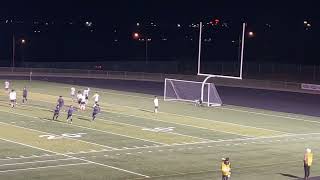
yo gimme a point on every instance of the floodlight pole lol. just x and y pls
(242, 48)
(199, 53)
(13, 51)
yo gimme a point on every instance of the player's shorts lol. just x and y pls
(7, 89)
(82, 103)
(69, 116)
(79, 101)
(156, 107)
(12, 100)
(87, 97)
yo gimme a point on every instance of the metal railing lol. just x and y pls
(30, 73)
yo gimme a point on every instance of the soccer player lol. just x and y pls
(61, 101)
(56, 112)
(79, 97)
(96, 99)
(307, 162)
(156, 104)
(24, 95)
(13, 98)
(73, 93)
(96, 110)
(86, 94)
(6, 86)
(83, 103)
(70, 112)
(225, 168)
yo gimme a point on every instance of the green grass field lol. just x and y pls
(129, 141)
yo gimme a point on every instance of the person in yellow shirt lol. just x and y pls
(307, 162)
(225, 169)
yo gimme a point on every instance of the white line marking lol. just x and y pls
(272, 115)
(9, 158)
(84, 127)
(92, 162)
(13, 170)
(32, 162)
(47, 132)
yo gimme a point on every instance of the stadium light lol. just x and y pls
(23, 41)
(251, 34)
(136, 35)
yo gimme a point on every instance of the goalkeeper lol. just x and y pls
(225, 169)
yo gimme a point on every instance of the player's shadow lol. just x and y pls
(84, 119)
(289, 175)
(144, 110)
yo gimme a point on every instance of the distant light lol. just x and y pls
(149, 39)
(23, 41)
(178, 25)
(135, 35)
(251, 34)
(164, 39)
(309, 25)
(138, 24)
(305, 22)
(88, 24)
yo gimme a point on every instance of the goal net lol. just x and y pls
(190, 91)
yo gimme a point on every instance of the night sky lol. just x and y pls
(280, 33)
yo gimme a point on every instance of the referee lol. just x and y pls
(307, 162)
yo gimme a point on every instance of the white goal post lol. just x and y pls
(191, 91)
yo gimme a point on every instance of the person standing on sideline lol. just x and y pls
(225, 168)
(156, 104)
(24, 95)
(13, 98)
(307, 162)
(73, 93)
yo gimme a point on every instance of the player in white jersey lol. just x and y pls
(156, 104)
(73, 93)
(13, 98)
(79, 98)
(96, 99)
(6, 86)
(86, 94)
(83, 104)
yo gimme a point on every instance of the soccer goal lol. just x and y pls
(191, 91)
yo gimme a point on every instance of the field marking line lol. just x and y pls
(31, 162)
(27, 157)
(231, 109)
(43, 167)
(48, 132)
(107, 120)
(83, 128)
(271, 115)
(172, 122)
(85, 160)
(117, 112)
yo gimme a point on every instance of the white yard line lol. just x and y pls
(271, 115)
(32, 162)
(44, 167)
(88, 161)
(28, 157)
(47, 132)
(83, 128)
(187, 117)
(106, 120)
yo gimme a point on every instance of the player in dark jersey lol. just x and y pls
(24, 95)
(70, 112)
(56, 112)
(96, 111)
(61, 101)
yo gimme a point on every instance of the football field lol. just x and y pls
(129, 141)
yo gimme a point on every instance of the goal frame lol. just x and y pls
(203, 83)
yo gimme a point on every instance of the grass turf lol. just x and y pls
(124, 144)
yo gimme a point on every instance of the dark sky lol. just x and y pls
(159, 9)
